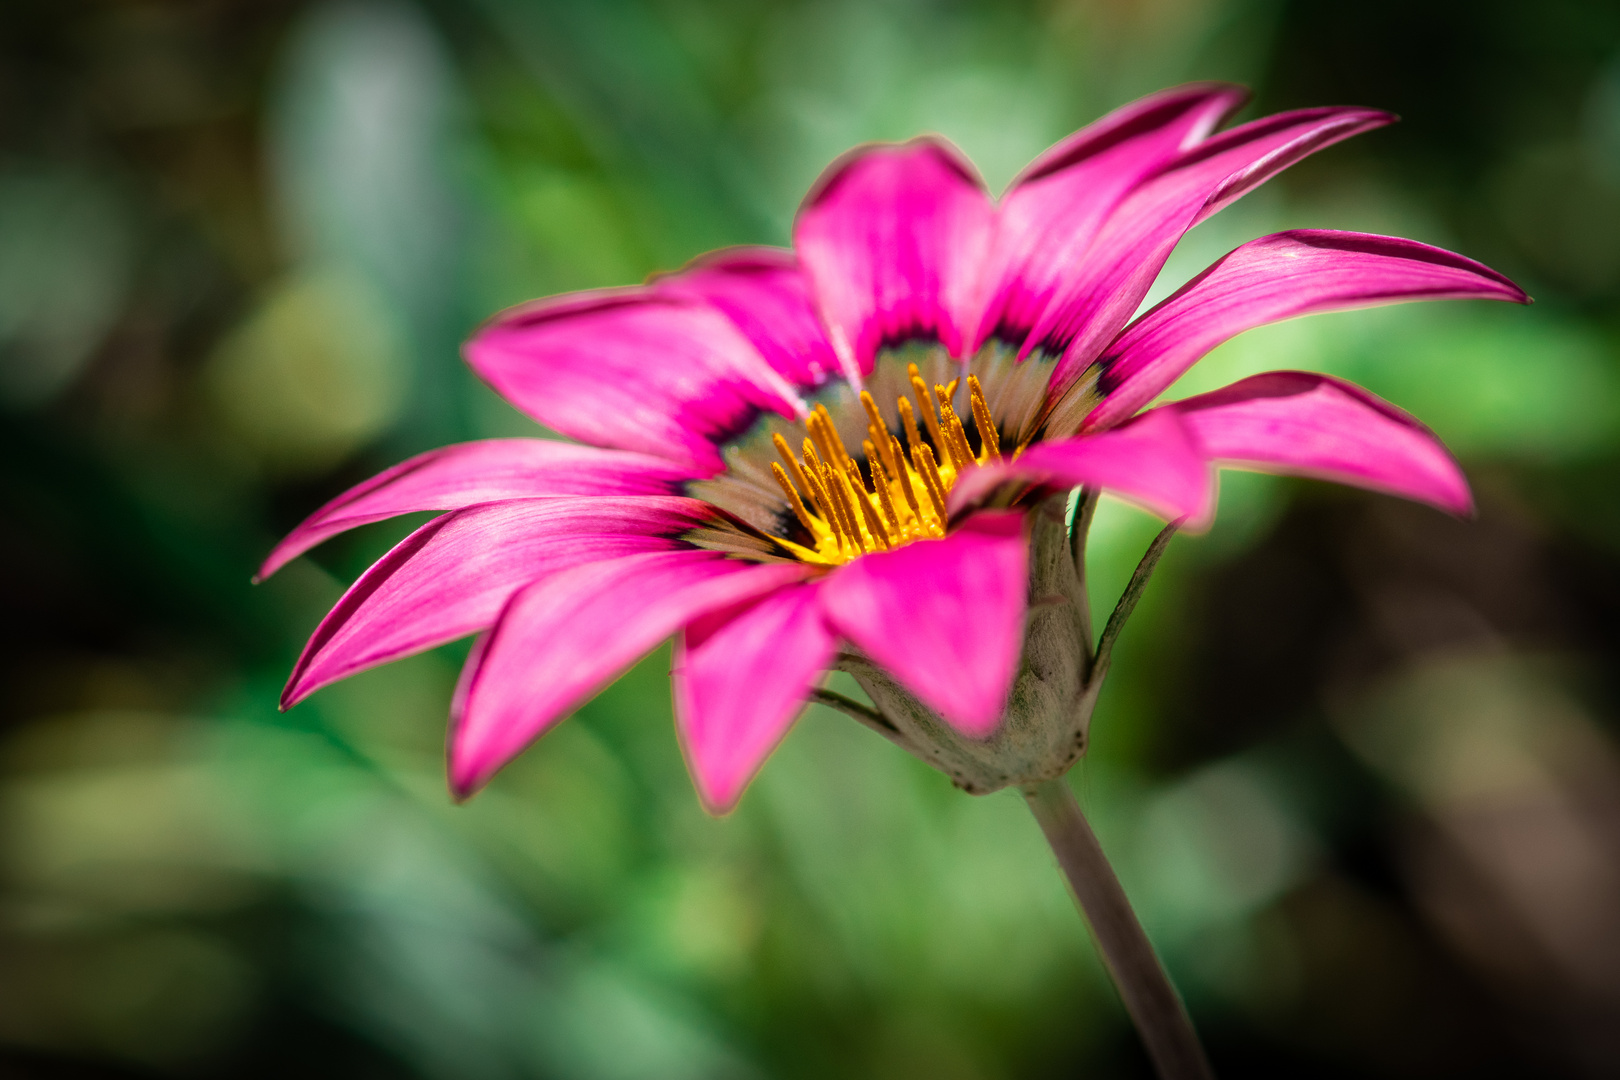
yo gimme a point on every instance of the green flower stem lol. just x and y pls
(855, 710)
(1085, 508)
(1104, 656)
(1161, 1019)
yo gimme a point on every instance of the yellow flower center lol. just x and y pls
(902, 495)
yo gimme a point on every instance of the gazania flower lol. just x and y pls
(849, 454)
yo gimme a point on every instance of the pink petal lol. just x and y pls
(1140, 233)
(763, 292)
(1154, 461)
(451, 577)
(632, 369)
(893, 238)
(740, 680)
(478, 472)
(1051, 214)
(1315, 425)
(945, 617)
(560, 640)
(1273, 278)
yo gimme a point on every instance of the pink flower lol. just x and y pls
(843, 446)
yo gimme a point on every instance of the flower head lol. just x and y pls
(848, 452)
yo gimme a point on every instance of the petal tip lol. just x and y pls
(974, 711)
(279, 557)
(300, 684)
(1463, 507)
(977, 725)
(718, 790)
(938, 147)
(463, 779)
(718, 804)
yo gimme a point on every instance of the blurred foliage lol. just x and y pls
(1357, 763)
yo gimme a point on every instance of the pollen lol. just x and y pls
(890, 495)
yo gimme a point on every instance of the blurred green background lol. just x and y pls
(1357, 763)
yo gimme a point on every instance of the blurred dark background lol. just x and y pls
(1358, 763)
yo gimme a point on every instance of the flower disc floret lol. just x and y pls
(892, 494)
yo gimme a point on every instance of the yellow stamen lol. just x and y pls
(858, 493)
(961, 452)
(816, 556)
(880, 481)
(818, 491)
(797, 471)
(929, 471)
(839, 456)
(903, 474)
(793, 497)
(818, 435)
(825, 486)
(879, 440)
(989, 438)
(955, 438)
(872, 413)
(921, 390)
(875, 460)
(846, 506)
(913, 440)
